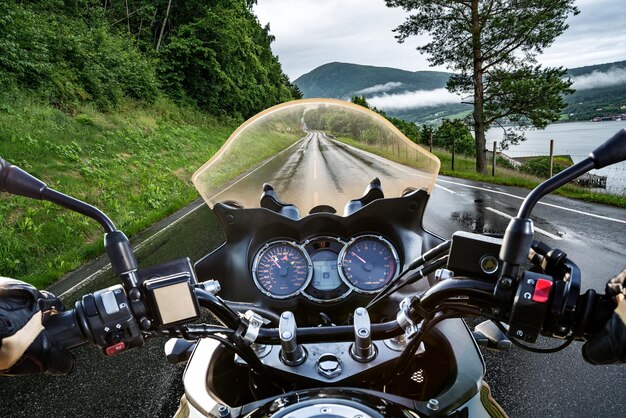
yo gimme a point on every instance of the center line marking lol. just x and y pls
(541, 231)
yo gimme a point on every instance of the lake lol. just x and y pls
(576, 139)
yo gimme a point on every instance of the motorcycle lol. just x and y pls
(303, 312)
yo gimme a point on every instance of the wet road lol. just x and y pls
(140, 383)
(541, 385)
(318, 170)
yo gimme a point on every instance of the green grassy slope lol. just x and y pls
(135, 164)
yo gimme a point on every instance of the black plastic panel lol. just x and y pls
(399, 220)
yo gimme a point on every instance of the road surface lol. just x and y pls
(140, 383)
(317, 170)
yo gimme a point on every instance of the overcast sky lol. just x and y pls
(310, 33)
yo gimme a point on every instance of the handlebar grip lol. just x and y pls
(4, 166)
(63, 328)
(14, 180)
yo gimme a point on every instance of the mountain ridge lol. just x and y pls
(343, 80)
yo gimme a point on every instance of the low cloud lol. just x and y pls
(612, 77)
(414, 99)
(380, 88)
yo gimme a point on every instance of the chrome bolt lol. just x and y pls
(433, 404)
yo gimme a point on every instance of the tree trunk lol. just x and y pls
(479, 118)
(127, 17)
(167, 14)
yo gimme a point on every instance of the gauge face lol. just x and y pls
(281, 269)
(368, 263)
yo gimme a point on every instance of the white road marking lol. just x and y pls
(85, 280)
(606, 218)
(300, 141)
(541, 231)
(316, 199)
(445, 188)
(92, 276)
(315, 165)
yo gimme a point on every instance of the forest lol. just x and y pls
(213, 54)
(118, 102)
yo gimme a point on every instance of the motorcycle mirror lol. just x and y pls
(519, 233)
(611, 152)
(14, 180)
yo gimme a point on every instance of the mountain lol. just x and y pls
(420, 96)
(342, 81)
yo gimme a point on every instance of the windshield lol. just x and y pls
(314, 152)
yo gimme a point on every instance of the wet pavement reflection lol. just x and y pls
(137, 383)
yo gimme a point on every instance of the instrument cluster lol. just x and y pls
(325, 269)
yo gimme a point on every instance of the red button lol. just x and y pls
(542, 291)
(115, 348)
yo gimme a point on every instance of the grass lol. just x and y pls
(465, 167)
(135, 164)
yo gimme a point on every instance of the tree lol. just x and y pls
(492, 46)
(409, 129)
(454, 134)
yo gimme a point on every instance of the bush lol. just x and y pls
(540, 166)
(504, 163)
(69, 60)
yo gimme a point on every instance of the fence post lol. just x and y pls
(493, 162)
(551, 156)
(453, 153)
(430, 141)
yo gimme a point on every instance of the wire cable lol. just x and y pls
(521, 345)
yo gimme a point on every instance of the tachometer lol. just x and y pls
(281, 269)
(368, 263)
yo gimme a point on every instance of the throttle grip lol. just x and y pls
(103, 318)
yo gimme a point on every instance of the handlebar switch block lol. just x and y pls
(530, 306)
(108, 321)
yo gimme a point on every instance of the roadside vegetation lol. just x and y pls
(135, 164)
(118, 104)
(454, 134)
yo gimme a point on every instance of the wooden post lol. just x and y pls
(493, 163)
(551, 155)
(453, 154)
(430, 141)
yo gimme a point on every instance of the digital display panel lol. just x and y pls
(325, 271)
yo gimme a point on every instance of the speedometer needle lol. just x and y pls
(275, 260)
(357, 256)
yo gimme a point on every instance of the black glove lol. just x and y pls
(25, 347)
(608, 346)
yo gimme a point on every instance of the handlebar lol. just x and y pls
(541, 305)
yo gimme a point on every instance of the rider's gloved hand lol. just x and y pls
(608, 346)
(25, 347)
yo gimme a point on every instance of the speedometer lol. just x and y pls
(368, 263)
(281, 269)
